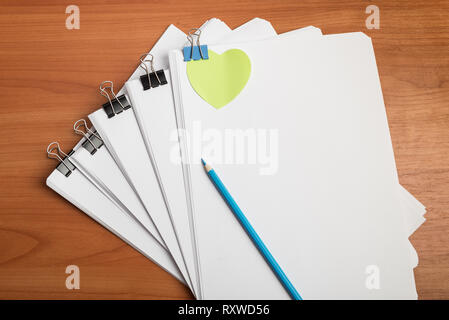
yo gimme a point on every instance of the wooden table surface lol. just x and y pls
(50, 76)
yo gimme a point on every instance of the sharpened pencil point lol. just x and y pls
(206, 166)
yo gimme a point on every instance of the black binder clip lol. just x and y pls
(93, 141)
(154, 78)
(116, 104)
(54, 152)
(198, 52)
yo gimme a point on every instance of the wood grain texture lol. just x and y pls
(49, 78)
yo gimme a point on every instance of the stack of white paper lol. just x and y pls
(295, 125)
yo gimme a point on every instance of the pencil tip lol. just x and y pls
(203, 162)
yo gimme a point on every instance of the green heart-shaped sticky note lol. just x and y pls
(219, 79)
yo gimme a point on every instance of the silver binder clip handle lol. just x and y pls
(77, 128)
(195, 32)
(148, 58)
(54, 152)
(103, 91)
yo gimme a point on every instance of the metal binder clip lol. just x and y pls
(153, 78)
(198, 52)
(93, 141)
(65, 167)
(116, 104)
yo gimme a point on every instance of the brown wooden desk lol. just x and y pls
(49, 78)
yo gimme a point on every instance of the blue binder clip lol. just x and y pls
(197, 52)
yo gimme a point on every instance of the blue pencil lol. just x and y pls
(251, 232)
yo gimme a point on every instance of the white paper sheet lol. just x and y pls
(313, 258)
(82, 193)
